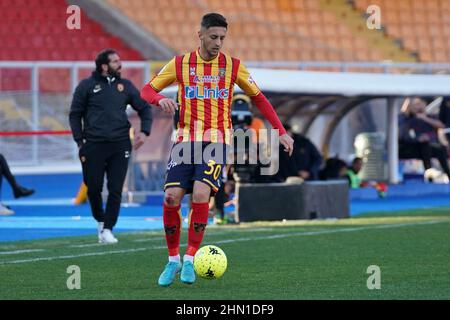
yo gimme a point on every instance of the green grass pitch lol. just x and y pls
(291, 260)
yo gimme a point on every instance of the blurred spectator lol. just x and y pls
(18, 190)
(221, 195)
(225, 202)
(418, 136)
(335, 168)
(444, 116)
(355, 181)
(257, 125)
(304, 162)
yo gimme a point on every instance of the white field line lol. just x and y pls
(20, 251)
(210, 234)
(86, 245)
(148, 239)
(276, 236)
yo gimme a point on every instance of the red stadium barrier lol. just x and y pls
(33, 133)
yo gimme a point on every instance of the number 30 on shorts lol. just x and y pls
(214, 169)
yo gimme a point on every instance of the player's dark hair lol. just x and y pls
(103, 58)
(214, 20)
(356, 160)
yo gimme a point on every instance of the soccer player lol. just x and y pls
(205, 80)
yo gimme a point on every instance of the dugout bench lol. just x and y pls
(278, 201)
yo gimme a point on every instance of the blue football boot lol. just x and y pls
(187, 273)
(168, 275)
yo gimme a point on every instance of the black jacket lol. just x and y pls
(98, 110)
(305, 157)
(444, 112)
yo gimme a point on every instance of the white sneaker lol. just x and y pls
(99, 231)
(5, 211)
(107, 237)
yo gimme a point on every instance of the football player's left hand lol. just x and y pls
(287, 142)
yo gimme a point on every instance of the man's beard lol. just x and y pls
(114, 73)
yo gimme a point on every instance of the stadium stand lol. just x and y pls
(21, 41)
(421, 26)
(312, 30)
(321, 30)
(54, 42)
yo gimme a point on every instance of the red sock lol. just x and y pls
(172, 228)
(197, 226)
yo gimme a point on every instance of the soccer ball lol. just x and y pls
(210, 262)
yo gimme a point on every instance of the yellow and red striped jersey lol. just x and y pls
(205, 92)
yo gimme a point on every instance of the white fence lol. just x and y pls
(36, 96)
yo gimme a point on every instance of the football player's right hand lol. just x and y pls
(168, 105)
(288, 143)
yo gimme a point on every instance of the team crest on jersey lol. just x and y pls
(192, 71)
(222, 72)
(120, 87)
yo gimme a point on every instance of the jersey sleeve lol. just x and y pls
(245, 81)
(165, 77)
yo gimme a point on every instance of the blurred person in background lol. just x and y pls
(18, 190)
(334, 169)
(444, 116)
(418, 136)
(355, 182)
(305, 161)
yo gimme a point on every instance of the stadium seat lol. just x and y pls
(426, 55)
(440, 56)
(435, 30)
(391, 17)
(418, 17)
(410, 42)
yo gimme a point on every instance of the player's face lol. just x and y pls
(212, 40)
(114, 65)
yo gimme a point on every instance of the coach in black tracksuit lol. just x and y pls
(101, 129)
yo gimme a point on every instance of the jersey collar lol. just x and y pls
(199, 57)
